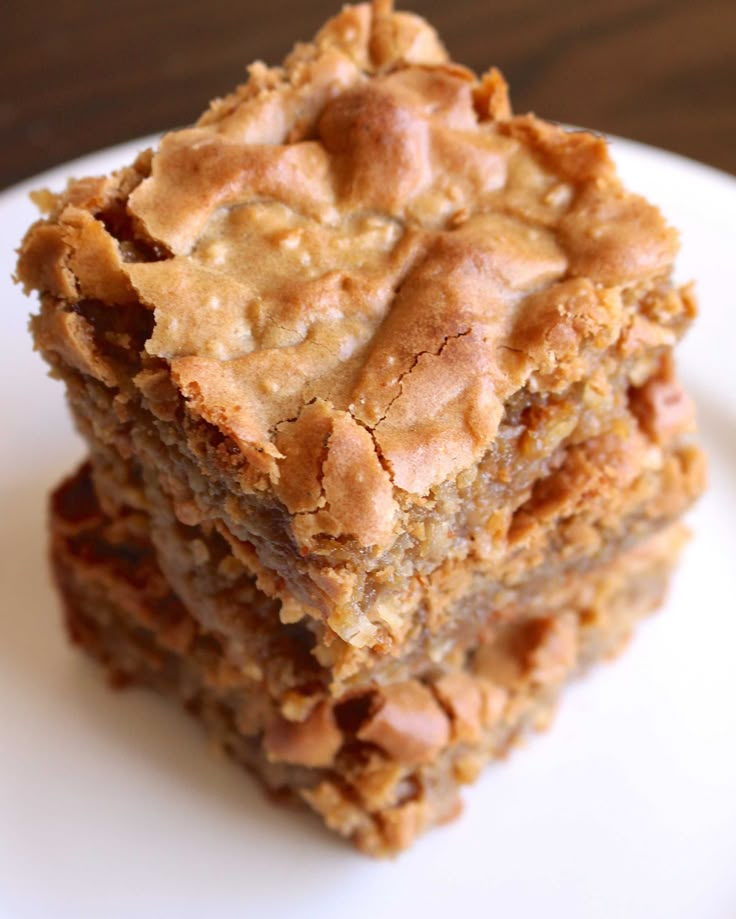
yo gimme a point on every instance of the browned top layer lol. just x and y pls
(359, 256)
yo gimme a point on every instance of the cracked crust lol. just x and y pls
(365, 239)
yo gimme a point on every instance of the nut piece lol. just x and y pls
(663, 408)
(494, 702)
(496, 663)
(461, 696)
(554, 658)
(409, 725)
(312, 742)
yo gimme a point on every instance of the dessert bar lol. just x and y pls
(385, 437)
(381, 764)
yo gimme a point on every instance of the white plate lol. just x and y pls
(114, 805)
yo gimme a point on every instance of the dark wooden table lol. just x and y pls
(78, 75)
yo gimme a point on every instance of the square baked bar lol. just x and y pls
(385, 437)
(381, 764)
(364, 321)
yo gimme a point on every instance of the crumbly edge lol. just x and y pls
(602, 493)
(217, 587)
(382, 764)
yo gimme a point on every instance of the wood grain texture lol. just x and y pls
(78, 75)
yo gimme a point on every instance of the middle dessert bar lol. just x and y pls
(608, 493)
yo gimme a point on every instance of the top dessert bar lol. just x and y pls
(356, 315)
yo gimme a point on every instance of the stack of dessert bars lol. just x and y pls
(385, 439)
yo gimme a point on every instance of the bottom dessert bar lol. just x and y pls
(381, 764)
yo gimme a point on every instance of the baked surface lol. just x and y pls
(385, 436)
(379, 765)
(358, 314)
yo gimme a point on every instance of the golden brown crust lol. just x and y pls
(70, 336)
(368, 229)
